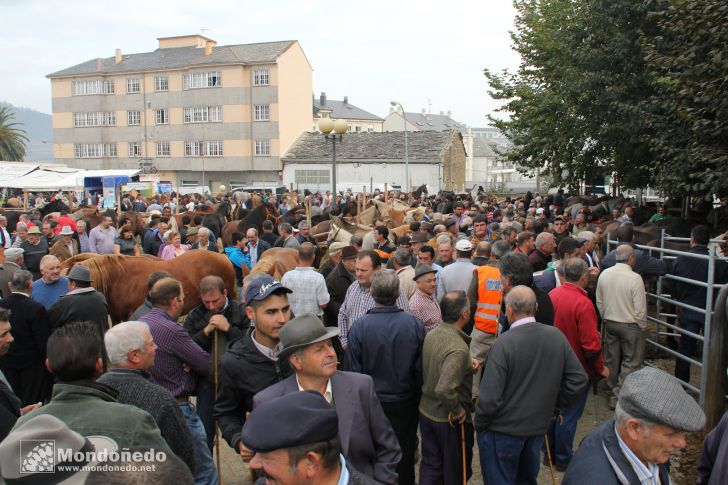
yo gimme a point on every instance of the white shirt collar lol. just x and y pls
(522, 321)
(328, 395)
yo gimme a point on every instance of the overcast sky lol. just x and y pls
(371, 51)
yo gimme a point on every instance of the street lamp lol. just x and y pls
(406, 155)
(339, 127)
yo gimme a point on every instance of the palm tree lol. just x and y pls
(12, 139)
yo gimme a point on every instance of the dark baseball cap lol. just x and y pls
(262, 287)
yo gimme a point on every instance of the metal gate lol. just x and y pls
(661, 299)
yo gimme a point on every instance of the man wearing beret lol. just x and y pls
(653, 414)
(366, 438)
(295, 440)
(251, 364)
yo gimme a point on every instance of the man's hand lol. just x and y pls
(245, 453)
(476, 365)
(29, 408)
(220, 322)
(605, 372)
(460, 418)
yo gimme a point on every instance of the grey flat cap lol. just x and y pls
(14, 253)
(79, 272)
(658, 397)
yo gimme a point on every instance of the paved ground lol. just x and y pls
(235, 472)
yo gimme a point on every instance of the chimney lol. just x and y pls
(98, 63)
(424, 111)
(346, 99)
(117, 58)
(322, 99)
(208, 47)
(449, 114)
(442, 113)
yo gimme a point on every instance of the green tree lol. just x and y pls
(573, 102)
(688, 113)
(12, 138)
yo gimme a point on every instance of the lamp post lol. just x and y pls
(406, 155)
(338, 127)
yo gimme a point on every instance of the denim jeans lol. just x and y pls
(205, 471)
(692, 322)
(563, 429)
(507, 460)
(205, 409)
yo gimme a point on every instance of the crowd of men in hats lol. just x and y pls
(385, 364)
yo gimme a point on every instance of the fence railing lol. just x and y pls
(661, 299)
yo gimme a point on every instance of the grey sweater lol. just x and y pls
(135, 389)
(530, 374)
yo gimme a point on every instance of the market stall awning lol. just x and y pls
(48, 180)
(12, 171)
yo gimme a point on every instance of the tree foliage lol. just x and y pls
(632, 89)
(688, 112)
(12, 139)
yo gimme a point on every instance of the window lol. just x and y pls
(133, 118)
(189, 183)
(95, 150)
(97, 86)
(260, 77)
(197, 80)
(312, 177)
(201, 148)
(162, 148)
(135, 149)
(262, 112)
(132, 85)
(162, 116)
(161, 83)
(203, 114)
(213, 148)
(370, 128)
(94, 118)
(357, 128)
(262, 147)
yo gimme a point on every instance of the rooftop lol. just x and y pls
(433, 122)
(422, 147)
(342, 109)
(179, 57)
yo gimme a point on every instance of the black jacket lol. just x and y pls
(31, 330)
(646, 266)
(599, 459)
(263, 246)
(82, 305)
(244, 372)
(268, 237)
(9, 409)
(695, 269)
(211, 246)
(33, 254)
(337, 283)
(198, 318)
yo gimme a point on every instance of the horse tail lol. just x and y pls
(717, 382)
(104, 269)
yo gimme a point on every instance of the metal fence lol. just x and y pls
(661, 300)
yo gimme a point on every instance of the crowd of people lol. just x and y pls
(488, 322)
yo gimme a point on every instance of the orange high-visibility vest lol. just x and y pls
(489, 299)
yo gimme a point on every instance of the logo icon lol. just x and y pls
(37, 456)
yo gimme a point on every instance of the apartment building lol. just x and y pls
(359, 120)
(197, 113)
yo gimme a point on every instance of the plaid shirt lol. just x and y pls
(309, 291)
(357, 303)
(425, 307)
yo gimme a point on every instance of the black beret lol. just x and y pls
(295, 419)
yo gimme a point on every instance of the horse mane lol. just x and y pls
(103, 268)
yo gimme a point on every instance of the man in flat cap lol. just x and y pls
(295, 439)
(82, 303)
(366, 438)
(653, 414)
(13, 262)
(251, 363)
(338, 282)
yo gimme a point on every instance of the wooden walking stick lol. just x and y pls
(548, 455)
(217, 429)
(462, 446)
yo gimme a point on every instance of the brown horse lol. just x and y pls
(276, 262)
(254, 218)
(123, 279)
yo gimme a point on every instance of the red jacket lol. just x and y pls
(575, 316)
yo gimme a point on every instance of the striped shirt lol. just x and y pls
(647, 475)
(309, 291)
(175, 348)
(357, 303)
(425, 307)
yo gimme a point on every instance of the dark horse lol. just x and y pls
(255, 219)
(419, 191)
(55, 206)
(217, 219)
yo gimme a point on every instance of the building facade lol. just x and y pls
(197, 113)
(366, 161)
(359, 121)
